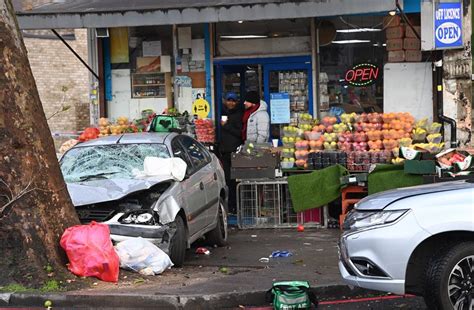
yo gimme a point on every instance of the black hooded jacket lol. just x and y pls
(231, 131)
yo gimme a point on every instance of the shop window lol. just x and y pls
(358, 43)
(267, 37)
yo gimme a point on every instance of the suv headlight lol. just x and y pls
(360, 219)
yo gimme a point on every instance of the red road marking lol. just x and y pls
(354, 300)
(346, 301)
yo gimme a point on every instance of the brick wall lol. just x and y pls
(61, 78)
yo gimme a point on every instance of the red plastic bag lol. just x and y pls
(90, 251)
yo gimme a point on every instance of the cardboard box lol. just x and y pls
(413, 56)
(391, 21)
(411, 44)
(420, 167)
(395, 32)
(395, 45)
(396, 56)
(409, 32)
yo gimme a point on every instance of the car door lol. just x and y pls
(202, 162)
(193, 191)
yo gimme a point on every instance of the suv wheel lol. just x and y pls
(178, 243)
(449, 282)
(218, 236)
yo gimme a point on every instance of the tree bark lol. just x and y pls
(35, 207)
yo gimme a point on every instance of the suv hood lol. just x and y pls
(381, 200)
(96, 191)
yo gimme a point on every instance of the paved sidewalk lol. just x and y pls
(203, 284)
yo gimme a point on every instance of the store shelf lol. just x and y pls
(147, 73)
(143, 97)
(151, 85)
(138, 85)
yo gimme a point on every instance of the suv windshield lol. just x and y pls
(108, 161)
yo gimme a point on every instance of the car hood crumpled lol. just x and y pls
(381, 200)
(97, 191)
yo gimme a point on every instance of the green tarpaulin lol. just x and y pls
(315, 189)
(385, 177)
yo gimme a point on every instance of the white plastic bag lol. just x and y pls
(169, 167)
(138, 254)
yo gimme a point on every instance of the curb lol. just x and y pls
(157, 301)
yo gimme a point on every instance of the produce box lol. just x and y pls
(395, 32)
(413, 56)
(394, 45)
(396, 56)
(253, 166)
(409, 32)
(391, 21)
(354, 178)
(411, 44)
(420, 167)
(456, 160)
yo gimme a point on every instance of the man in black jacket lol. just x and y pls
(231, 139)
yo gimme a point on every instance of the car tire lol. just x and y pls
(444, 283)
(218, 236)
(178, 243)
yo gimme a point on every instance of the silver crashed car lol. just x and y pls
(101, 179)
(417, 240)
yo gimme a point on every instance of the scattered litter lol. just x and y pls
(300, 228)
(264, 260)
(142, 256)
(48, 304)
(125, 277)
(281, 254)
(90, 251)
(148, 271)
(319, 250)
(253, 236)
(202, 250)
(298, 261)
(138, 281)
(95, 283)
(307, 243)
(224, 270)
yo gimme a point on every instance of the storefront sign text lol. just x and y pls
(448, 25)
(362, 75)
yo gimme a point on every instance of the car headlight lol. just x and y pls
(360, 219)
(138, 217)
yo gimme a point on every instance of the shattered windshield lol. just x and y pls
(108, 161)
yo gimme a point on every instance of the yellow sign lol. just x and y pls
(201, 108)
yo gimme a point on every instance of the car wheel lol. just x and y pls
(449, 282)
(178, 243)
(218, 236)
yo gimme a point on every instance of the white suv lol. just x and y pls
(417, 240)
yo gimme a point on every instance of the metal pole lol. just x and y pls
(315, 68)
(75, 54)
(175, 56)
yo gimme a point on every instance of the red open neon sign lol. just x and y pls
(362, 75)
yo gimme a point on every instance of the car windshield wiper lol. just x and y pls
(102, 175)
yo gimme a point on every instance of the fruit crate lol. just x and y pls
(267, 204)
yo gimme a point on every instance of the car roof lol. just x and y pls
(130, 138)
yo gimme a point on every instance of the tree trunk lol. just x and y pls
(35, 207)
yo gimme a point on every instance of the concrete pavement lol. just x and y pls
(230, 277)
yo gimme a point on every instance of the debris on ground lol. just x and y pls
(281, 254)
(90, 251)
(203, 250)
(142, 256)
